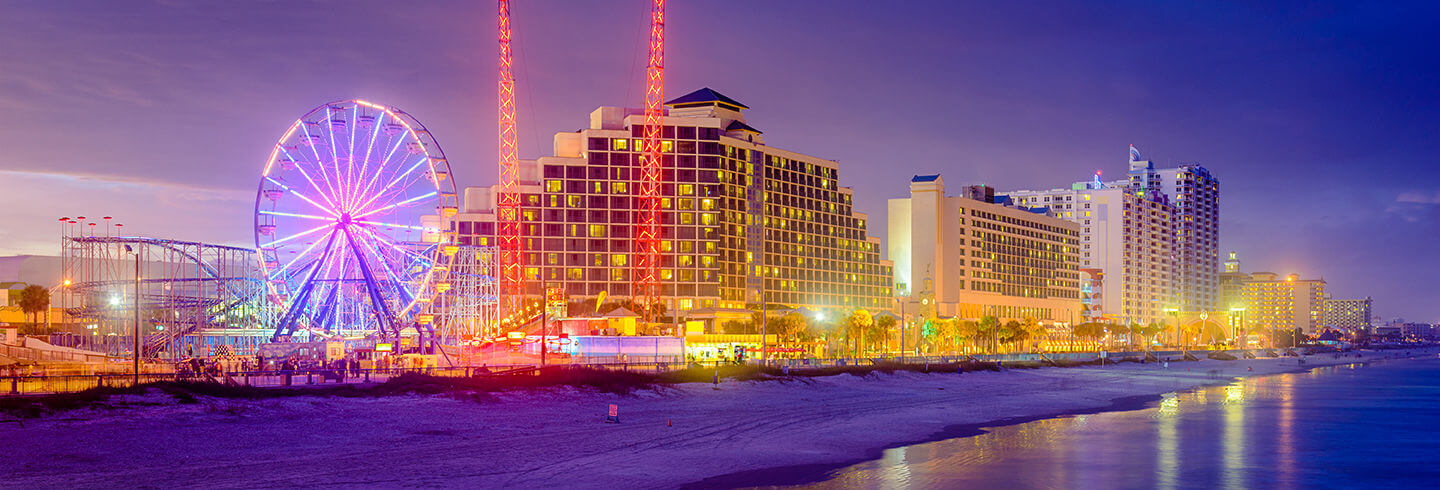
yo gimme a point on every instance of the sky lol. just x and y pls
(1320, 119)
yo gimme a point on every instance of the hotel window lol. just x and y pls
(617, 260)
(686, 189)
(619, 144)
(554, 186)
(572, 201)
(597, 231)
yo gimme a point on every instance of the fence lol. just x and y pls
(21, 385)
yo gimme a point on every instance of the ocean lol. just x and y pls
(1349, 426)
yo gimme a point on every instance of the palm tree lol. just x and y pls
(880, 332)
(966, 330)
(33, 300)
(987, 327)
(855, 326)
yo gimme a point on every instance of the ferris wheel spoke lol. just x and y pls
(350, 128)
(301, 196)
(397, 225)
(297, 235)
(390, 187)
(334, 153)
(330, 219)
(370, 147)
(396, 247)
(398, 204)
(379, 171)
(301, 167)
(320, 165)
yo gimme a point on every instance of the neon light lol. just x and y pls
(508, 200)
(647, 257)
(299, 195)
(398, 204)
(382, 192)
(394, 225)
(294, 215)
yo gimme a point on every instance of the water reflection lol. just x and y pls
(1258, 432)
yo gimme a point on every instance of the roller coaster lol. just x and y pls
(180, 289)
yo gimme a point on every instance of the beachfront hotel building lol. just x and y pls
(1128, 236)
(1195, 194)
(970, 257)
(1347, 314)
(1288, 303)
(740, 220)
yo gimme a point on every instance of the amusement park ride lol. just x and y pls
(351, 224)
(353, 237)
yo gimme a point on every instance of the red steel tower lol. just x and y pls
(508, 208)
(647, 253)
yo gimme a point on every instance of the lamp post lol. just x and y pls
(135, 354)
(903, 289)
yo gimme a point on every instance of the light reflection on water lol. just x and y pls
(1329, 427)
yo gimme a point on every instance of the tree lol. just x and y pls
(966, 330)
(987, 327)
(880, 332)
(33, 300)
(855, 326)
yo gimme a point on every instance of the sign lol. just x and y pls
(384, 347)
(1104, 354)
(613, 417)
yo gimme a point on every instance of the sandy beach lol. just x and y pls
(789, 430)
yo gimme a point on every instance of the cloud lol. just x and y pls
(1415, 206)
(1419, 197)
(34, 201)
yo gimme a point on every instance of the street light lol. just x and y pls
(135, 354)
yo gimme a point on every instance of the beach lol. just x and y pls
(788, 430)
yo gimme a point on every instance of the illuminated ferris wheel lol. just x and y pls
(351, 223)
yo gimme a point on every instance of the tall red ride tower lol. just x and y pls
(508, 208)
(647, 253)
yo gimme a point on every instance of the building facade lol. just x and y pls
(1288, 303)
(1347, 314)
(1128, 235)
(740, 220)
(975, 258)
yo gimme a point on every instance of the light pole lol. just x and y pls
(903, 296)
(135, 354)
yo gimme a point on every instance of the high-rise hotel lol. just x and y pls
(1155, 236)
(968, 257)
(739, 219)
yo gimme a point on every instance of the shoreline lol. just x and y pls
(806, 474)
(777, 431)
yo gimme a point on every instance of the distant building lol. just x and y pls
(1232, 284)
(1347, 314)
(1290, 303)
(976, 258)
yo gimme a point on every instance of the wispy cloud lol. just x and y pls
(1414, 206)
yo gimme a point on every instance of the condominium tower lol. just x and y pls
(739, 219)
(1128, 235)
(1347, 314)
(970, 257)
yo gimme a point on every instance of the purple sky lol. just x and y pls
(1320, 120)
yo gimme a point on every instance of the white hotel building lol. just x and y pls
(1129, 235)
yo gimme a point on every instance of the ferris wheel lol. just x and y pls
(352, 223)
